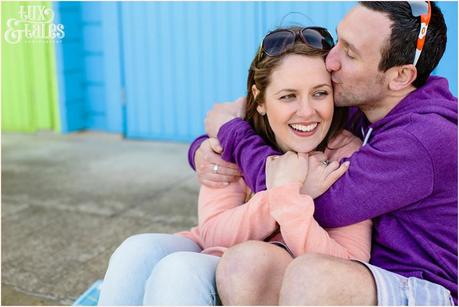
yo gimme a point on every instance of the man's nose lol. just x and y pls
(332, 62)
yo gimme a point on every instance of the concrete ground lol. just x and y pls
(69, 200)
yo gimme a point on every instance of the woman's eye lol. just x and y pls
(320, 94)
(288, 97)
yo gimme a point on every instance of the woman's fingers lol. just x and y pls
(317, 158)
(285, 169)
(336, 172)
(331, 167)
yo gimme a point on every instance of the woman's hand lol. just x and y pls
(285, 169)
(322, 174)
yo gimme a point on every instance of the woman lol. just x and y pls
(289, 103)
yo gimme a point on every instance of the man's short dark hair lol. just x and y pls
(401, 47)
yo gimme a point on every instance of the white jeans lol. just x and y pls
(159, 269)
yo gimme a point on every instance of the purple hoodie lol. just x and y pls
(404, 178)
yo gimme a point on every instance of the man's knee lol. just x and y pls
(241, 255)
(321, 279)
(240, 270)
(236, 264)
(308, 269)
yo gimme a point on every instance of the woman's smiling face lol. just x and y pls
(299, 102)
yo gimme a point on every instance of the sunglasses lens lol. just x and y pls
(277, 42)
(418, 8)
(318, 38)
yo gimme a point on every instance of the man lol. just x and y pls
(404, 177)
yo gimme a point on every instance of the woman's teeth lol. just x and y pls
(304, 128)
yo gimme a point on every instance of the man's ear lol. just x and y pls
(402, 77)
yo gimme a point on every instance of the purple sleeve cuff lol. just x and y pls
(193, 147)
(229, 137)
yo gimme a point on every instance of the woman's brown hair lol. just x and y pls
(259, 75)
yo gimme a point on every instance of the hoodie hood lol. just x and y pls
(434, 97)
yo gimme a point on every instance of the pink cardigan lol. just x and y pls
(227, 217)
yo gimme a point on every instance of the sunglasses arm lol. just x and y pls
(425, 19)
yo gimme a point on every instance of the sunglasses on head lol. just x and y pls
(422, 9)
(277, 42)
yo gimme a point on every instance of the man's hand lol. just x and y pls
(222, 113)
(211, 169)
(322, 174)
(285, 169)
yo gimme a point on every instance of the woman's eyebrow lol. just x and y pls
(321, 85)
(285, 90)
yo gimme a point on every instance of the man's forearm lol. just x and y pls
(241, 145)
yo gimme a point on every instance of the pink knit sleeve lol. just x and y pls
(301, 232)
(294, 213)
(225, 218)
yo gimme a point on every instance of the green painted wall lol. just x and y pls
(29, 84)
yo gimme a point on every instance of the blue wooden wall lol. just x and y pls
(181, 57)
(70, 68)
(448, 64)
(89, 66)
(151, 70)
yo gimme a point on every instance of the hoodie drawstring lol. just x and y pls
(366, 136)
